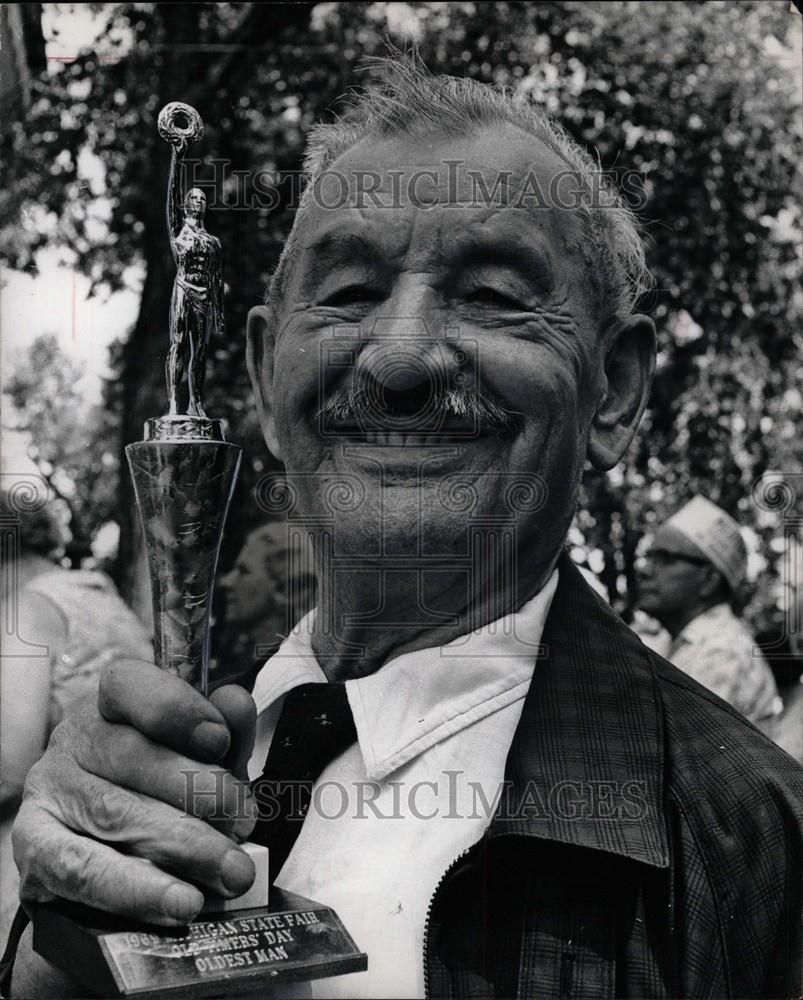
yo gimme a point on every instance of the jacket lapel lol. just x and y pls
(586, 764)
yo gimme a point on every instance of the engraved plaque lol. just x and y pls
(293, 939)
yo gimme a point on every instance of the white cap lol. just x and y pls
(716, 536)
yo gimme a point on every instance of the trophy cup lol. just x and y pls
(184, 473)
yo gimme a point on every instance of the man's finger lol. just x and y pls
(125, 757)
(237, 707)
(164, 708)
(144, 827)
(84, 870)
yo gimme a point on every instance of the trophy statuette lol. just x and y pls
(184, 473)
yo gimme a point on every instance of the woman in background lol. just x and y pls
(67, 625)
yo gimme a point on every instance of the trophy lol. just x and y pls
(184, 473)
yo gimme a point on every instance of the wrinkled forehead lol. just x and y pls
(498, 182)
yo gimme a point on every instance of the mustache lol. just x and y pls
(357, 405)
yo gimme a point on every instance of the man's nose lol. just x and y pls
(413, 345)
(405, 364)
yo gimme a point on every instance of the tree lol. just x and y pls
(73, 443)
(94, 107)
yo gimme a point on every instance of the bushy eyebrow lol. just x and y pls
(531, 262)
(475, 247)
(335, 251)
(331, 247)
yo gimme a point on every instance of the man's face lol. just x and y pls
(672, 576)
(386, 305)
(249, 587)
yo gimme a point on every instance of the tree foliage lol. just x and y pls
(72, 442)
(693, 97)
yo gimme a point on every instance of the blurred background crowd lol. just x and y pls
(697, 104)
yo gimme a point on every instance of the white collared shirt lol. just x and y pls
(418, 788)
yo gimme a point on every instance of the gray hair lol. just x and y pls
(408, 100)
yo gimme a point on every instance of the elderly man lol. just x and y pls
(695, 568)
(533, 803)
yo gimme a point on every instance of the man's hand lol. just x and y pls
(136, 798)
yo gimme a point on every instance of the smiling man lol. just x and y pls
(514, 797)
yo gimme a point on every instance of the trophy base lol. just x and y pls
(233, 954)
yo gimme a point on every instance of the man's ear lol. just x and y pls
(629, 367)
(261, 335)
(711, 582)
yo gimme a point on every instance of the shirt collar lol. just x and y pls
(292, 664)
(419, 698)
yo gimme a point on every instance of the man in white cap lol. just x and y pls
(693, 571)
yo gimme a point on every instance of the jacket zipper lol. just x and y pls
(440, 882)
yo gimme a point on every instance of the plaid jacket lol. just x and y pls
(648, 844)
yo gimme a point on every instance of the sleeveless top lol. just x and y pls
(101, 628)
